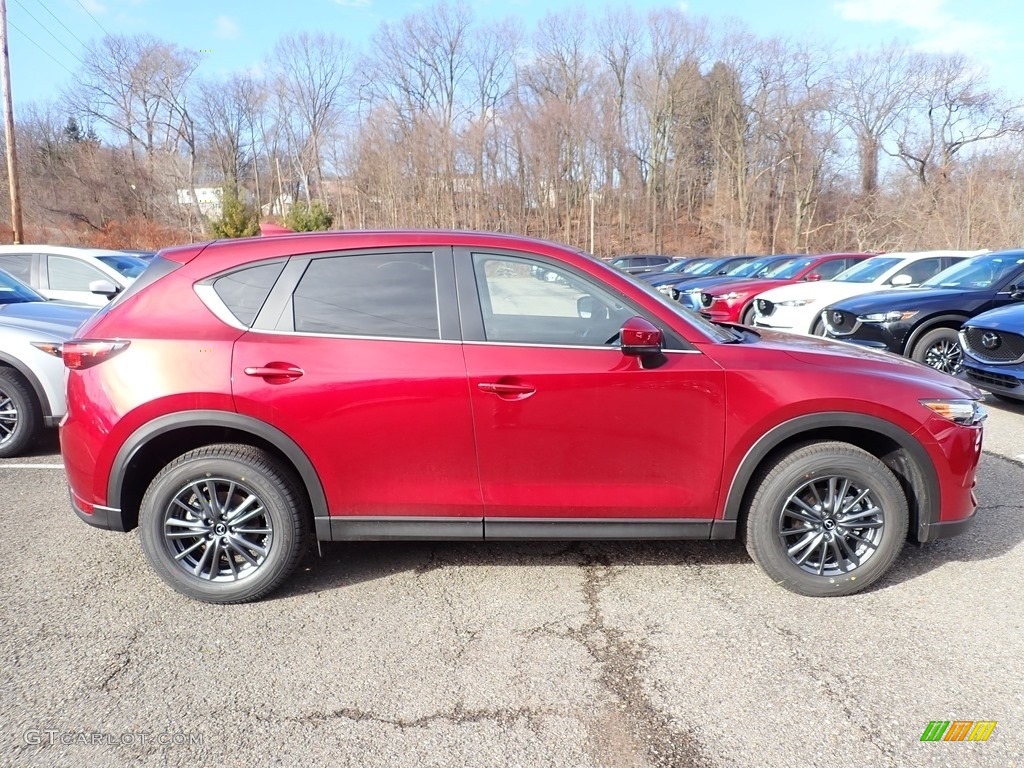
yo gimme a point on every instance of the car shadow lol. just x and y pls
(46, 444)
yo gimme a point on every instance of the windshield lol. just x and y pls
(980, 272)
(13, 291)
(129, 266)
(759, 267)
(787, 270)
(868, 271)
(707, 267)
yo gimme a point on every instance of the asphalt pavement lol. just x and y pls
(508, 654)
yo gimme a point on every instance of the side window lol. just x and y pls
(563, 310)
(68, 274)
(920, 270)
(243, 292)
(830, 269)
(18, 264)
(377, 294)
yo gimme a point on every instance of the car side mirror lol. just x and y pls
(901, 280)
(640, 337)
(813, 277)
(104, 288)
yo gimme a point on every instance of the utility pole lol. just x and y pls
(12, 160)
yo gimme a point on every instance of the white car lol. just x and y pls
(84, 275)
(797, 307)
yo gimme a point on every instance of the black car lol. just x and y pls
(993, 345)
(638, 265)
(922, 323)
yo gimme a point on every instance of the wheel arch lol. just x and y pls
(946, 320)
(7, 361)
(156, 443)
(894, 446)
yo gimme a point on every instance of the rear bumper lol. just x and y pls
(108, 518)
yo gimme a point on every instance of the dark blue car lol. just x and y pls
(923, 323)
(993, 348)
(688, 291)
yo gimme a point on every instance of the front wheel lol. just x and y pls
(828, 519)
(224, 523)
(939, 349)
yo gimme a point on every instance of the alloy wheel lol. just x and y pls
(831, 525)
(944, 355)
(8, 418)
(218, 530)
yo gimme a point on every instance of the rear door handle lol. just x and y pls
(507, 391)
(279, 371)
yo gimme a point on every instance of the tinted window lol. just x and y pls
(68, 274)
(830, 269)
(919, 271)
(567, 310)
(868, 271)
(18, 264)
(380, 294)
(129, 266)
(980, 272)
(243, 292)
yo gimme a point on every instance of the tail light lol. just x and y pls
(85, 353)
(49, 347)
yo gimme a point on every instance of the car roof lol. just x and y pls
(60, 250)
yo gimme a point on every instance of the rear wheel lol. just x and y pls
(827, 519)
(21, 419)
(224, 523)
(939, 349)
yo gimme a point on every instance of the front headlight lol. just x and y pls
(666, 289)
(794, 303)
(730, 296)
(965, 412)
(886, 317)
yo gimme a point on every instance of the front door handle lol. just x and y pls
(275, 371)
(507, 391)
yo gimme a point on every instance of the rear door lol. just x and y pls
(357, 357)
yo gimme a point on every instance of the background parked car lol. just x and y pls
(689, 291)
(641, 264)
(31, 370)
(797, 308)
(993, 349)
(687, 266)
(86, 275)
(923, 323)
(733, 301)
(713, 267)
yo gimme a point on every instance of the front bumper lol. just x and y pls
(1001, 380)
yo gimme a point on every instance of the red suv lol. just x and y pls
(244, 395)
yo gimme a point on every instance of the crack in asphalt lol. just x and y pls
(124, 659)
(622, 661)
(457, 716)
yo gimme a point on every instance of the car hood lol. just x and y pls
(819, 292)
(912, 298)
(1009, 318)
(45, 317)
(746, 285)
(684, 282)
(815, 350)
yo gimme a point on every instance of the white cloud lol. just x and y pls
(225, 28)
(939, 29)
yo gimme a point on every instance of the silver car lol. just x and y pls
(32, 330)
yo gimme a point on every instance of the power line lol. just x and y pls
(50, 33)
(37, 45)
(92, 17)
(55, 18)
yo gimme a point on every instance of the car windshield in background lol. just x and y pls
(717, 332)
(977, 273)
(13, 291)
(787, 270)
(756, 268)
(707, 267)
(129, 266)
(868, 271)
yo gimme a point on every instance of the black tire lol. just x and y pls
(255, 555)
(939, 349)
(21, 418)
(773, 529)
(818, 329)
(747, 318)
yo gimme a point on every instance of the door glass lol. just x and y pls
(377, 294)
(18, 264)
(528, 302)
(830, 269)
(67, 274)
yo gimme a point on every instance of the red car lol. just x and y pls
(245, 395)
(734, 302)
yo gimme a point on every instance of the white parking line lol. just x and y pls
(31, 466)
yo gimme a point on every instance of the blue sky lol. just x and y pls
(238, 35)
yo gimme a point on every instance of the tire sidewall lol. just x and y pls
(927, 341)
(171, 481)
(28, 421)
(763, 522)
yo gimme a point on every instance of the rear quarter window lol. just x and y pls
(245, 290)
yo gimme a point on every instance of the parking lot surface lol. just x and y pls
(525, 654)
